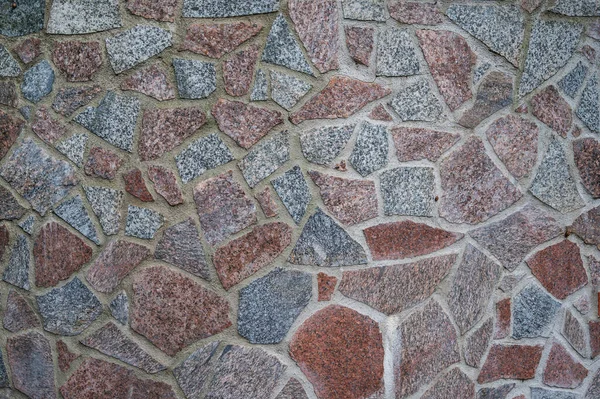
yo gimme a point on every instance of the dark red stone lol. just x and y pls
(152, 81)
(29, 49)
(503, 317)
(30, 360)
(47, 128)
(414, 143)
(238, 71)
(266, 202)
(79, 61)
(102, 163)
(165, 184)
(594, 326)
(10, 128)
(216, 40)
(549, 107)
(18, 314)
(65, 356)
(379, 113)
(493, 94)
(360, 41)
(587, 159)
(587, 226)
(326, 286)
(160, 10)
(517, 362)
(408, 12)
(136, 186)
(562, 371)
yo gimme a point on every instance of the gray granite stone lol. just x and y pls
(119, 308)
(113, 120)
(589, 105)
(261, 87)
(283, 49)
(28, 224)
(106, 205)
(38, 177)
(83, 16)
(501, 28)
(27, 16)
(324, 243)
(31, 364)
(227, 8)
(70, 309)
(554, 184)
(194, 372)
(542, 393)
(292, 189)
(370, 152)
(133, 46)
(37, 81)
(323, 144)
(396, 53)
(270, 305)
(479, 71)
(500, 392)
(551, 45)
(10, 209)
(533, 312)
(287, 90)
(26, 111)
(408, 191)
(9, 67)
(142, 222)
(73, 212)
(4, 382)
(17, 269)
(203, 154)
(571, 82)
(577, 8)
(416, 102)
(265, 158)
(292, 390)
(364, 10)
(74, 148)
(195, 79)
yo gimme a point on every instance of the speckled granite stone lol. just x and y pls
(283, 49)
(453, 384)
(549, 107)
(22, 18)
(31, 365)
(364, 10)
(499, 392)
(360, 41)
(515, 141)
(87, 16)
(261, 87)
(416, 102)
(37, 81)
(17, 268)
(323, 144)
(136, 186)
(292, 390)
(195, 79)
(28, 224)
(577, 8)
(370, 152)
(477, 343)
(542, 393)
(46, 127)
(396, 53)
(70, 99)
(163, 10)
(193, 373)
(180, 246)
(11, 129)
(267, 203)
(203, 154)
(265, 158)
(562, 370)
(165, 184)
(216, 40)
(587, 110)
(102, 163)
(227, 8)
(587, 154)
(494, 93)
(292, 189)
(574, 331)
(133, 46)
(8, 94)
(9, 67)
(517, 362)
(326, 286)
(106, 204)
(119, 308)
(572, 81)
(18, 314)
(78, 61)
(287, 90)
(10, 209)
(411, 12)
(65, 356)
(408, 191)
(74, 213)
(74, 148)
(533, 313)
(151, 81)
(142, 222)
(417, 143)
(238, 71)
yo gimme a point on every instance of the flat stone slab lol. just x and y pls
(413, 144)
(265, 158)
(22, 18)
(323, 144)
(533, 313)
(494, 93)
(227, 8)
(106, 204)
(202, 155)
(133, 46)
(364, 10)
(119, 308)
(238, 71)
(216, 40)
(587, 110)
(370, 151)
(515, 141)
(142, 222)
(396, 53)
(30, 360)
(572, 81)
(10, 209)
(195, 79)
(74, 212)
(452, 384)
(283, 49)
(151, 81)
(17, 269)
(292, 189)
(18, 314)
(70, 99)
(88, 16)
(515, 362)
(37, 81)
(9, 67)
(416, 102)
(408, 191)
(360, 42)
(287, 90)
(78, 61)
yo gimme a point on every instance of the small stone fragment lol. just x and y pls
(8, 94)
(165, 184)
(594, 387)
(238, 71)
(408, 191)
(533, 312)
(11, 129)
(571, 82)
(17, 269)
(283, 49)
(133, 46)
(326, 286)
(10, 209)
(203, 154)
(364, 10)
(500, 392)
(88, 16)
(106, 205)
(453, 384)
(477, 343)
(493, 94)
(79, 61)
(195, 371)
(18, 314)
(180, 246)
(370, 152)
(360, 41)
(70, 309)
(292, 189)
(227, 8)
(136, 186)
(74, 148)
(9, 67)
(26, 224)
(292, 390)
(396, 52)
(47, 128)
(163, 10)
(142, 222)
(549, 107)
(70, 99)
(577, 8)
(587, 156)
(416, 102)
(37, 81)
(119, 308)
(216, 40)
(151, 81)
(261, 87)
(562, 371)
(587, 110)
(22, 18)
(65, 356)
(517, 362)
(414, 144)
(323, 144)
(32, 369)
(102, 163)
(74, 213)
(266, 202)
(379, 113)
(28, 49)
(503, 319)
(410, 12)
(582, 304)
(195, 79)
(265, 158)
(287, 90)
(574, 333)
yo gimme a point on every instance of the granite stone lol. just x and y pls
(593, 389)
(562, 370)
(163, 10)
(587, 156)
(594, 331)
(587, 110)
(78, 61)
(8, 94)
(86, 16)
(582, 304)
(533, 312)
(65, 356)
(477, 343)
(453, 384)
(106, 205)
(370, 152)
(73, 148)
(416, 102)
(119, 308)
(287, 90)
(577, 8)
(195, 79)
(261, 87)
(31, 365)
(322, 145)
(4, 240)
(142, 222)
(500, 392)
(572, 81)
(22, 18)
(267, 203)
(530, 5)
(216, 40)
(503, 318)
(542, 393)
(265, 158)
(17, 268)
(494, 93)
(76, 215)
(136, 186)
(408, 191)
(379, 113)
(46, 127)
(549, 107)
(37, 81)
(227, 8)
(9, 67)
(517, 362)
(364, 10)
(573, 331)
(292, 189)
(194, 372)
(413, 144)
(360, 42)
(18, 314)
(180, 246)
(238, 71)
(283, 49)
(151, 81)
(102, 163)
(326, 286)
(70, 99)
(165, 184)
(411, 12)
(10, 209)
(292, 390)
(11, 129)
(396, 53)
(202, 155)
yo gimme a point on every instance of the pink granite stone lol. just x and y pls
(29, 49)
(587, 160)
(79, 61)
(238, 71)
(494, 93)
(102, 163)
(587, 227)
(454, 384)
(165, 184)
(46, 127)
(413, 143)
(409, 12)
(151, 81)
(594, 328)
(218, 39)
(379, 113)
(326, 286)
(267, 203)
(136, 186)
(65, 356)
(18, 313)
(10, 128)
(360, 41)
(562, 370)
(32, 369)
(549, 107)
(70, 99)
(503, 318)
(477, 343)
(517, 362)
(160, 10)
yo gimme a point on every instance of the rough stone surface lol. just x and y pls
(266, 202)
(510, 362)
(292, 390)
(74, 213)
(106, 205)
(379, 113)
(10, 209)
(370, 152)
(287, 90)
(585, 8)
(572, 81)
(133, 46)
(416, 102)
(265, 158)
(11, 129)
(283, 49)
(159, 10)
(8, 94)
(195, 79)
(360, 41)
(326, 286)
(549, 107)
(119, 308)
(417, 143)
(562, 370)
(503, 318)
(409, 12)
(46, 127)
(238, 71)
(70, 99)
(216, 40)
(9, 67)
(19, 19)
(194, 372)
(18, 314)
(142, 222)
(573, 331)
(87, 16)
(587, 110)
(587, 153)
(396, 53)
(500, 392)
(37, 81)
(292, 189)
(533, 312)
(453, 384)
(65, 356)
(17, 269)
(493, 94)
(136, 186)
(477, 343)
(408, 191)
(364, 10)
(78, 61)
(594, 387)
(261, 87)
(323, 144)
(202, 155)
(227, 8)
(151, 81)
(102, 163)
(29, 49)
(165, 184)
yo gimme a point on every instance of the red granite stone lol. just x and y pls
(360, 41)
(8, 94)
(244, 123)
(70, 99)
(4, 240)
(97, 379)
(267, 203)
(238, 71)
(515, 141)
(503, 318)
(18, 314)
(587, 227)
(326, 286)
(587, 160)
(574, 331)
(414, 143)
(116, 261)
(474, 188)
(594, 268)
(406, 239)
(493, 94)
(136, 186)
(562, 370)
(549, 107)
(218, 39)
(58, 254)
(522, 109)
(46, 127)
(450, 61)
(30, 360)
(477, 343)
(408, 12)
(10, 128)
(161, 10)
(65, 356)
(165, 184)
(517, 362)
(559, 268)
(316, 24)
(350, 201)
(454, 384)
(341, 353)
(79, 61)
(246, 255)
(594, 327)
(530, 5)
(589, 52)
(29, 49)
(173, 311)
(342, 97)
(379, 113)
(102, 163)
(151, 81)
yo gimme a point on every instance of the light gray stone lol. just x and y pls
(396, 53)
(588, 109)
(119, 308)
(194, 372)
(142, 222)
(416, 102)
(480, 71)
(74, 148)
(17, 269)
(27, 16)
(261, 87)
(533, 312)
(227, 8)
(106, 205)
(203, 154)
(287, 90)
(133, 46)
(28, 224)
(571, 82)
(542, 393)
(408, 191)
(265, 158)
(364, 10)
(37, 81)
(195, 79)
(292, 189)
(9, 67)
(323, 144)
(69, 17)
(370, 152)
(283, 49)
(73, 212)
(577, 8)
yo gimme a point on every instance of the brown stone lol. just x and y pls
(98, 379)
(326, 285)
(450, 61)
(503, 317)
(379, 113)
(173, 311)
(454, 384)
(360, 41)
(522, 109)
(587, 159)
(587, 226)
(58, 254)
(559, 268)
(18, 314)
(428, 345)
(267, 203)
(594, 326)
(47, 128)
(30, 360)
(165, 184)
(393, 289)
(162, 10)
(316, 23)
(244, 123)
(246, 255)
(79, 61)
(549, 107)
(493, 94)
(65, 356)
(70, 99)
(8, 94)
(341, 353)
(517, 362)
(115, 262)
(136, 186)
(413, 143)
(350, 201)
(406, 239)
(102, 163)
(10, 128)
(562, 370)
(576, 132)
(216, 40)
(238, 71)
(515, 141)
(151, 81)
(342, 97)
(474, 188)
(29, 49)
(408, 12)
(477, 343)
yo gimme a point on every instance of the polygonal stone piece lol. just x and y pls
(216, 40)
(119, 308)
(533, 312)
(411, 12)
(78, 61)
(477, 343)
(413, 143)
(292, 390)
(370, 152)
(9, 67)
(22, 18)
(549, 107)
(238, 71)
(453, 384)
(326, 286)
(31, 365)
(151, 81)
(142, 222)
(562, 370)
(65, 356)
(37, 81)
(133, 46)
(323, 144)
(46, 127)
(573, 331)
(70, 99)
(195, 371)
(18, 313)
(165, 184)
(102, 163)
(292, 189)
(8, 94)
(517, 362)
(587, 153)
(572, 81)
(10, 209)
(74, 212)
(106, 205)
(195, 79)
(494, 93)
(87, 16)
(500, 392)
(163, 10)
(202, 155)
(227, 8)
(542, 393)
(136, 186)
(26, 224)
(360, 41)
(261, 87)
(266, 202)
(594, 387)
(283, 49)
(416, 102)
(577, 8)
(408, 191)
(11, 128)
(265, 158)
(17, 269)
(587, 110)
(396, 53)
(503, 318)
(287, 90)
(379, 113)
(364, 10)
